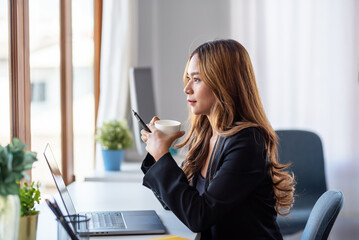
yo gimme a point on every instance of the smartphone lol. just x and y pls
(142, 124)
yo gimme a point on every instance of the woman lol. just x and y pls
(231, 185)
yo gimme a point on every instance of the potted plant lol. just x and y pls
(29, 195)
(114, 137)
(14, 160)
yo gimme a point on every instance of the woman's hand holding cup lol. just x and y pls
(162, 136)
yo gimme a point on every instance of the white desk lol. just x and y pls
(109, 196)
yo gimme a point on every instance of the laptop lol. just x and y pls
(109, 222)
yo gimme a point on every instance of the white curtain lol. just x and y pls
(118, 54)
(305, 56)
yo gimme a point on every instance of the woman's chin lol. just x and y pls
(195, 112)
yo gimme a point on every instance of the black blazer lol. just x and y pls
(238, 201)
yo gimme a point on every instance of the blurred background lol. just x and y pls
(305, 55)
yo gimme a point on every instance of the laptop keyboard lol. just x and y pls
(105, 220)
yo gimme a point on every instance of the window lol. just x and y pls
(83, 87)
(38, 91)
(4, 75)
(44, 34)
(62, 93)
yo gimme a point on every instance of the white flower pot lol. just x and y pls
(9, 217)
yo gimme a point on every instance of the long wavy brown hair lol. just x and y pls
(226, 68)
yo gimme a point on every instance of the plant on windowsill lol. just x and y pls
(14, 161)
(114, 136)
(29, 195)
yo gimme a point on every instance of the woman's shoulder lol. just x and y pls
(245, 150)
(250, 136)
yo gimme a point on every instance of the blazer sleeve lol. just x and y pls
(241, 172)
(147, 163)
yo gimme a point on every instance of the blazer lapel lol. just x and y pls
(213, 164)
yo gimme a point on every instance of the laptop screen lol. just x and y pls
(59, 181)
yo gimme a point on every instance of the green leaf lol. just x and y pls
(12, 189)
(18, 144)
(28, 196)
(2, 189)
(14, 160)
(114, 135)
(9, 161)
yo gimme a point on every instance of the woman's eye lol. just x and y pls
(196, 80)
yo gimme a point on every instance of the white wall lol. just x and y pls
(305, 56)
(168, 31)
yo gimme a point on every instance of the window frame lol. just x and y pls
(98, 5)
(19, 70)
(66, 92)
(19, 76)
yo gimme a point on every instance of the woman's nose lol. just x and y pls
(187, 89)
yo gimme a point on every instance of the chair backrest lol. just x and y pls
(323, 216)
(305, 151)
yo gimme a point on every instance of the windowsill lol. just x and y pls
(130, 172)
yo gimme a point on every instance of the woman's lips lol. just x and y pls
(191, 102)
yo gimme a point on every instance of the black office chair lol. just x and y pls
(323, 216)
(304, 150)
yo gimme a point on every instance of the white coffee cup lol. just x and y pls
(168, 127)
